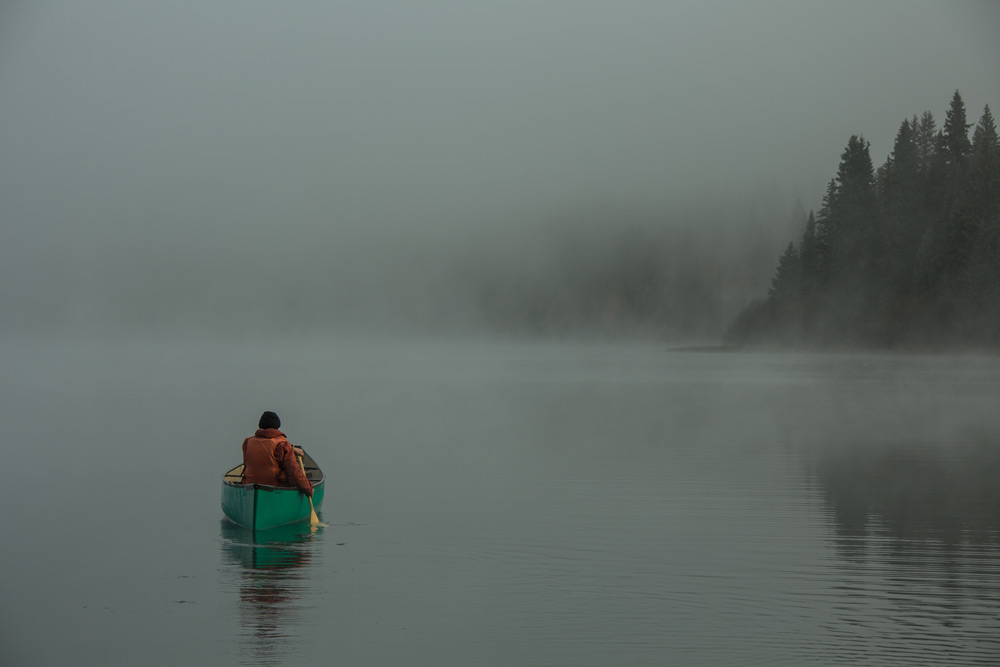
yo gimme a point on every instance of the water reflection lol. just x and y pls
(272, 577)
(919, 495)
(917, 529)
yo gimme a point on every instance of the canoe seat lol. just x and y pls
(234, 476)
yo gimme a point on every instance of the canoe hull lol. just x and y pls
(259, 507)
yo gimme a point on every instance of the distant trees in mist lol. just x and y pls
(610, 274)
(906, 254)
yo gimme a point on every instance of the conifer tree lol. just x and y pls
(956, 133)
(901, 204)
(902, 178)
(955, 243)
(824, 235)
(853, 218)
(925, 139)
(985, 134)
(809, 258)
(933, 168)
(783, 298)
(954, 149)
(810, 294)
(983, 185)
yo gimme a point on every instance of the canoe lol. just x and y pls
(259, 506)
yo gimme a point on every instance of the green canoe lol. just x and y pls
(258, 506)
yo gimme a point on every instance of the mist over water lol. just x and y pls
(451, 244)
(499, 503)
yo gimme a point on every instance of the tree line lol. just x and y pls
(904, 255)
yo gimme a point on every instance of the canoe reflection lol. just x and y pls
(272, 566)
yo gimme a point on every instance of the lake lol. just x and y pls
(503, 503)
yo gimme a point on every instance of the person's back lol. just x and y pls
(268, 457)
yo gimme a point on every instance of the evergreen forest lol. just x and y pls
(903, 256)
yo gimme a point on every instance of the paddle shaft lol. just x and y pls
(313, 519)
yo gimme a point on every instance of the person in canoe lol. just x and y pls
(268, 457)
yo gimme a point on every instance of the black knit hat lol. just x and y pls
(269, 420)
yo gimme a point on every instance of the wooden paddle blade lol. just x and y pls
(313, 519)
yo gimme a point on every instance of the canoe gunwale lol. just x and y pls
(310, 465)
(267, 487)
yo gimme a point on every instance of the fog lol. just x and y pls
(242, 166)
(534, 198)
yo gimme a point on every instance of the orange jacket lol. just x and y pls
(268, 458)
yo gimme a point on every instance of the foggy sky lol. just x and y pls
(164, 139)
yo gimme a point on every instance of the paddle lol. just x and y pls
(313, 519)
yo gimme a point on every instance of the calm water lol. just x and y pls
(503, 504)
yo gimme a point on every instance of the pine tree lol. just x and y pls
(900, 234)
(983, 184)
(956, 134)
(901, 204)
(954, 150)
(900, 181)
(785, 284)
(985, 134)
(824, 237)
(809, 272)
(934, 206)
(853, 214)
(849, 243)
(925, 140)
(933, 169)
(809, 257)
(784, 298)
(957, 270)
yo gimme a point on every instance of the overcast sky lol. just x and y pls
(184, 124)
